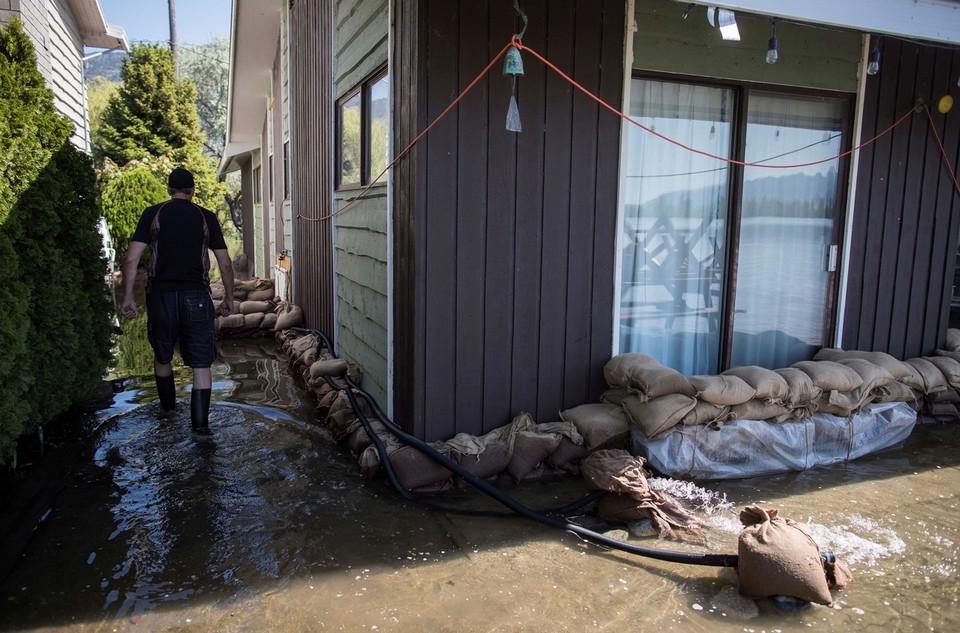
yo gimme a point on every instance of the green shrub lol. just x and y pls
(123, 199)
(55, 334)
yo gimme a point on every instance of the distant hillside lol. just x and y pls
(106, 66)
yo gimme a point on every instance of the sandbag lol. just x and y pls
(567, 455)
(953, 340)
(601, 425)
(615, 396)
(895, 391)
(657, 417)
(490, 462)
(949, 367)
(722, 390)
(897, 368)
(530, 450)
(933, 378)
(621, 508)
(416, 470)
(777, 557)
(801, 388)
(759, 410)
(706, 413)
(768, 384)
(253, 320)
(266, 294)
(618, 471)
(645, 375)
(830, 375)
(231, 321)
(289, 316)
(269, 321)
(249, 307)
(322, 368)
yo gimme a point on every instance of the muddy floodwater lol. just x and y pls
(270, 527)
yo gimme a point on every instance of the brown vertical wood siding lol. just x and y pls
(905, 227)
(504, 243)
(311, 153)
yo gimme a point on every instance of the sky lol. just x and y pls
(198, 21)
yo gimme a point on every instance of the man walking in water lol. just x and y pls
(179, 308)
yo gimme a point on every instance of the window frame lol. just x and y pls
(741, 92)
(363, 89)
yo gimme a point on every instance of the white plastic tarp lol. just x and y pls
(746, 448)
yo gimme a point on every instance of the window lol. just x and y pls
(725, 265)
(286, 170)
(363, 133)
(257, 185)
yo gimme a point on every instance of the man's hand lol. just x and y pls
(226, 308)
(129, 308)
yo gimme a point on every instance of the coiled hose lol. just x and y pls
(352, 389)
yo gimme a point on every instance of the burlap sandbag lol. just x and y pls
(706, 413)
(489, 463)
(269, 321)
(942, 352)
(895, 391)
(300, 345)
(617, 471)
(621, 508)
(601, 425)
(415, 470)
(530, 450)
(658, 417)
(266, 294)
(933, 378)
(953, 340)
(830, 375)
(722, 390)
(615, 396)
(567, 455)
(802, 390)
(759, 410)
(949, 367)
(770, 386)
(322, 368)
(288, 316)
(897, 368)
(645, 375)
(253, 320)
(249, 307)
(359, 440)
(231, 321)
(777, 557)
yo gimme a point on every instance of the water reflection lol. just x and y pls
(270, 526)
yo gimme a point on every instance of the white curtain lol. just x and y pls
(674, 226)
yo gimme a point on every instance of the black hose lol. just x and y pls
(711, 560)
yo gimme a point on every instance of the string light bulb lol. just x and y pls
(873, 65)
(772, 53)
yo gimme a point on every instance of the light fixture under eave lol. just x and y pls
(728, 25)
(772, 53)
(873, 65)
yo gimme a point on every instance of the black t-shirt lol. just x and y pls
(180, 235)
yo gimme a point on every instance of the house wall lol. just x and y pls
(311, 116)
(59, 49)
(503, 250)
(362, 29)
(809, 57)
(905, 224)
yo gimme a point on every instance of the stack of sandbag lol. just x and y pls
(257, 311)
(655, 398)
(930, 384)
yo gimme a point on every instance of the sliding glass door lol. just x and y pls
(726, 265)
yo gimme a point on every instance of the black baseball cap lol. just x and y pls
(180, 178)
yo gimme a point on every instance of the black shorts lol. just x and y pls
(185, 317)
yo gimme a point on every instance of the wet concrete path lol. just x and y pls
(270, 527)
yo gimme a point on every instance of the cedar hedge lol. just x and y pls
(55, 336)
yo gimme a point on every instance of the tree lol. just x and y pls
(208, 65)
(152, 113)
(99, 92)
(152, 120)
(55, 334)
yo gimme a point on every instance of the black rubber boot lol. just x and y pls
(167, 390)
(200, 411)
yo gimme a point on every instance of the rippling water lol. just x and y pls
(269, 526)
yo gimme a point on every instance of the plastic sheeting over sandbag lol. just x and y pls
(746, 448)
